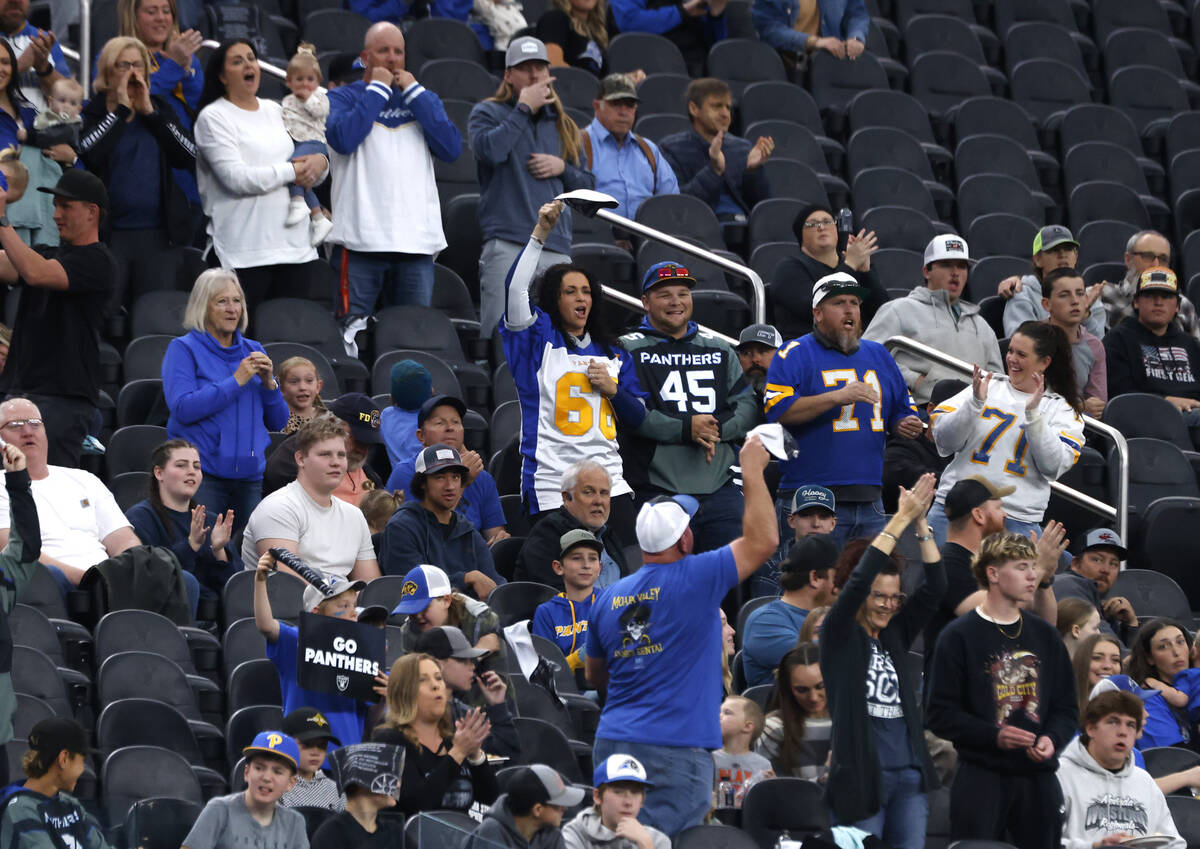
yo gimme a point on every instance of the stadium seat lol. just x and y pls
(873, 147)
(284, 591)
(445, 382)
(1043, 40)
(663, 93)
(714, 837)
(505, 425)
(1096, 199)
(1103, 272)
(1152, 594)
(992, 310)
(901, 111)
(1142, 46)
(129, 448)
(989, 271)
(984, 194)
(1099, 160)
(458, 111)
(35, 674)
(651, 53)
(1110, 15)
(1187, 216)
(1157, 469)
(928, 33)
(887, 186)
(1164, 760)
(516, 601)
(244, 724)
(158, 313)
(771, 220)
(1140, 414)
(437, 828)
(834, 83)
(314, 817)
(941, 80)
(459, 177)
(720, 310)
(536, 702)
(144, 355)
(997, 154)
(681, 215)
(241, 642)
(336, 29)
(149, 722)
(609, 265)
(794, 141)
(1098, 122)
(31, 627)
(386, 590)
(994, 115)
(777, 805)
(134, 773)
(505, 466)
(657, 126)
(772, 99)
(742, 61)
(766, 257)
(159, 822)
(1185, 813)
(129, 488)
(1182, 132)
(1163, 538)
(439, 38)
(1151, 97)
(133, 630)
(1046, 87)
(460, 79)
(285, 350)
(253, 682)
(576, 87)
(543, 743)
(1184, 170)
(141, 402)
(744, 612)
(1103, 241)
(901, 227)
(147, 674)
(30, 711)
(504, 388)
(41, 592)
(504, 555)
(898, 268)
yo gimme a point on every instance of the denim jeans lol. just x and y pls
(221, 494)
(307, 148)
(938, 523)
(402, 279)
(718, 522)
(900, 822)
(683, 782)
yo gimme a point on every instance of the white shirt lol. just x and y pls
(329, 539)
(76, 512)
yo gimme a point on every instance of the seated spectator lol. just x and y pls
(440, 422)
(362, 420)
(428, 529)
(301, 388)
(1149, 352)
(627, 167)
(575, 33)
(790, 293)
(529, 814)
(17, 566)
(1145, 249)
(811, 630)
(813, 511)
(131, 140)
(936, 315)
(694, 26)
(80, 521)
(728, 650)
(445, 766)
(797, 730)
(457, 659)
(723, 170)
(169, 516)
(305, 518)
(1090, 577)
(220, 388)
(428, 602)
(1097, 772)
(564, 618)
(359, 826)
(1096, 657)
(807, 579)
(905, 460)
(272, 760)
(586, 503)
(411, 387)
(756, 346)
(1077, 620)
(1053, 247)
(377, 506)
(16, 113)
(313, 788)
(345, 715)
(738, 765)
(1064, 300)
(42, 811)
(619, 791)
(839, 27)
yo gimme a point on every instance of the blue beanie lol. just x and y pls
(411, 384)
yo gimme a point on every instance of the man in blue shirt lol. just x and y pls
(654, 642)
(627, 166)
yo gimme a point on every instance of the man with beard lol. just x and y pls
(839, 396)
(1090, 578)
(755, 348)
(1145, 249)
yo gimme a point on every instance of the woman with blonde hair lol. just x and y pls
(222, 395)
(445, 767)
(576, 34)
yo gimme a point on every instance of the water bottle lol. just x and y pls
(784, 841)
(725, 794)
(845, 220)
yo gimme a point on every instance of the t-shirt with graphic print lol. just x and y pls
(885, 711)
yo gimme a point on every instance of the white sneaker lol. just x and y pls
(297, 211)
(351, 327)
(321, 227)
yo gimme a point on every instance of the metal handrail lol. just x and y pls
(84, 58)
(1118, 514)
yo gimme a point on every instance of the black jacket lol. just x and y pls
(147, 577)
(541, 547)
(1139, 361)
(102, 131)
(855, 787)
(905, 460)
(789, 297)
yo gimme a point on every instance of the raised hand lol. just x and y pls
(980, 380)
(716, 157)
(196, 531)
(915, 502)
(760, 153)
(1039, 382)
(222, 530)
(601, 380)
(182, 48)
(537, 95)
(859, 248)
(14, 458)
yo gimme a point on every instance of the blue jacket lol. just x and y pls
(414, 536)
(688, 154)
(227, 423)
(209, 571)
(774, 21)
(502, 137)
(353, 113)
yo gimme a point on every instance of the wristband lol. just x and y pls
(49, 70)
(926, 537)
(889, 536)
(1045, 585)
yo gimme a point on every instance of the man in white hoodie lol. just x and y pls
(612, 823)
(1106, 798)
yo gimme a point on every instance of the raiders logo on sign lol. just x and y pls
(342, 681)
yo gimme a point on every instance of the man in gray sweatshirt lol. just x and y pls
(529, 815)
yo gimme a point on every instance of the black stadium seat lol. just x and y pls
(681, 215)
(1100, 160)
(253, 682)
(1046, 87)
(440, 38)
(872, 147)
(516, 600)
(1001, 233)
(1097, 199)
(36, 675)
(244, 724)
(983, 194)
(901, 227)
(980, 115)
(887, 186)
(144, 355)
(941, 80)
(991, 153)
(657, 126)
(1151, 97)
(662, 93)
(159, 822)
(834, 84)
(158, 313)
(458, 78)
(336, 29)
(129, 448)
(134, 773)
(1152, 594)
(777, 805)
(149, 722)
(651, 53)
(743, 61)
(1099, 122)
(1042, 40)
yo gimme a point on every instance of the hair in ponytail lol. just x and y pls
(158, 460)
(1050, 341)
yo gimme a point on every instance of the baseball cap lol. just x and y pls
(447, 641)
(838, 283)
(813, 496)
(438, 458)
(276, 743)
(1105, 538)
(307, 725)
(337, 585)
(361, 413)
(620, 768)
(524, 49)
(969, 493)
(815, 552)
(667, 272)
(1158, 279)
(617, 87)
(662, 521)
(372, 614)
(436, 401)
(763, 334)
(1052, 237)
(55, 734)
(576, 537)
(947, 246)
(421, 585)
(77, 184)
(538, 783)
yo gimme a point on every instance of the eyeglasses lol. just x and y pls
(819, 687)
(19, 424)
(1151, 256)
(896, 600)
(820, 224)
(129, 66)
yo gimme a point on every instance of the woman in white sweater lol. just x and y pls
(244, 166)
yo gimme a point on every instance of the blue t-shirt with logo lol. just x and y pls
(659, 633)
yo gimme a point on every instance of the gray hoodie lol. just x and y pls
(498, 829)
(586, 831)
(1026, 305)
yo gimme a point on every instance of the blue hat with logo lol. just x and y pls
(667, 272)
(275, 743)
(620, 768)
(421, 585)
(813, 496)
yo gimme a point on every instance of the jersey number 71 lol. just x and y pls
(847, 421)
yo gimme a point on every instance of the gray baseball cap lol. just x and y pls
(1052, 237)
(764, 334)
(524, 49)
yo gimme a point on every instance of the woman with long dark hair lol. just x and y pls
(796, 734)
(1021, 431)
(573, 379)
(1158, 664)
(15, 111)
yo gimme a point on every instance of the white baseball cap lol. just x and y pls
(620, 768)
(947, 246)
(838, 283)
(421, 585)
(662, 521)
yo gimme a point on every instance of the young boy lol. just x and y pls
(738, 766)
(611, 823)
(564, 618)
(529, 815)
(41, 813)
(345, 715)
(1106, 798)
(313, 788)
(254, 817)
(1065, 298)
(359, 826)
